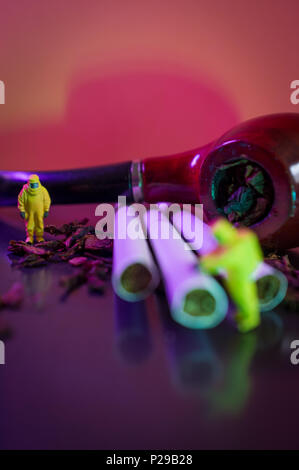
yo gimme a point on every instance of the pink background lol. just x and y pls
(98, 81)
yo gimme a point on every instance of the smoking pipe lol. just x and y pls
(250, 173)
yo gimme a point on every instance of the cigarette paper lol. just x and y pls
(196, 300)
(134, 273)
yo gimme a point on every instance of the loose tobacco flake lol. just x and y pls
(77, 245)
(30, 261)
(93, 243)
(51, 245)
(78, 261)
(78, 235)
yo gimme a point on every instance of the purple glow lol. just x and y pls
(18, 175)
(194, 161)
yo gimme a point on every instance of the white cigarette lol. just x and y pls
(271, 283)
(134, 273)
(272, 286)
(196, 300)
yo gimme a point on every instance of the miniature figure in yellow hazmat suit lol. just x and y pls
(34, 204)
(238, 256)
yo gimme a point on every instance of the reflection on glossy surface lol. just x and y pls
(64, 386)
(221, 375)
(131, 330)
(194, 364)
(37, 284)
(5, 330)
(232, 394)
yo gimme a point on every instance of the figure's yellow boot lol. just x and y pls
(29, 240)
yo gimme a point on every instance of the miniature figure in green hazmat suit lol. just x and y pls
(237, 257)
(34, 204)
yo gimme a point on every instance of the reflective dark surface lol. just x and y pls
(97, 373)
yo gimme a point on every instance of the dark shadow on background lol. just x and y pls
(153, 109)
